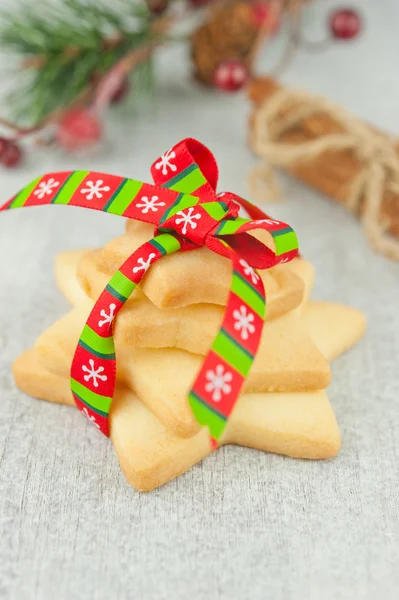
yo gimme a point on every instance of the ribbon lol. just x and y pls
(187, 214)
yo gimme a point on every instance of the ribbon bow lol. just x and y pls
(187, 214)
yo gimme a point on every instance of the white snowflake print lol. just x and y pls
(187, 218)
(244, 322)
(248, 270)
(94, 190)
(218, 382)
(90, 417)
(107, 318)
(144, 264)
(267, 221)
(93, 373)
(46, 188)
(150, 204)
(165, 162)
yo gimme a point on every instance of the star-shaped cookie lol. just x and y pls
(283, 408)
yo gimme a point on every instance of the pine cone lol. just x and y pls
(228, 34)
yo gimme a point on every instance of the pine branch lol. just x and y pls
(66, 45)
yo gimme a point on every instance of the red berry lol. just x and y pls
(78, 129)
(345, 24)
(230, 75)
(3, 145)
(11, 155)
(261, 16)
(157, 7)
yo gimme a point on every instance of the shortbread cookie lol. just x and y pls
(36, 381)
(287, 361)
(163, 378)
(300, 425)
(334, 328)
(67, 264)
(284, 289)
(305, 270)
(93, 281)
(149, 454)
(141, 323)
(198, 276)
(65, 269)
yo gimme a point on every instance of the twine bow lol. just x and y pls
(286, 110)
(187, 214)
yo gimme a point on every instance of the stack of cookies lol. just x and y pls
(162, 335)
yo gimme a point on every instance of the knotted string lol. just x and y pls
(287, 109)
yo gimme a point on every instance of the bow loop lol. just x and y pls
(190, 168)
(258, 250)
(257, 254)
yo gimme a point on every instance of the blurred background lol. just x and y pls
(81, 73)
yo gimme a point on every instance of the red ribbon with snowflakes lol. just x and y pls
(187, 214)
